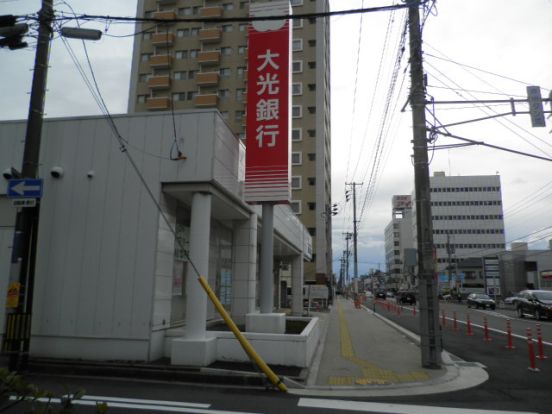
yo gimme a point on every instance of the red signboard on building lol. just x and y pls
(267, 159)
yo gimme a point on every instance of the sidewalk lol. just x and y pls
(365, 354)
(361, 354)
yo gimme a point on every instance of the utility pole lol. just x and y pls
(355, 223)
(429, 306)
(22, 271)
(348, 236)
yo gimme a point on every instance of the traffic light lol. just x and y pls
(11, 33)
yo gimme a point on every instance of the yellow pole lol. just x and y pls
(242, 339)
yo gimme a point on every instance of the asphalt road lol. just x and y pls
(511, 387)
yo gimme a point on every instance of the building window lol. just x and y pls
(143, 77)
(312, 206)
(227, 28)
(311, 109)
(226, 51)
(191, 95)
(295, 206)
(180, 75)
(225, 72)
(297, 111)
(191, 74)
(295, 3)
(311, 132)
(312, 65)
(181, 54)
(312, 87)
(311, 156)
(194, 53)
(297, 66)
(241, 72)
(185, 11)
(183, 33)
(145, 57)
(297, 23)
(228, 6)
(242, 4)
(312, 231)
(296, 182)
(239, 115)
(297, 134)
(179, 96)
(312, 42)
(243, 27)
(240, 94)
(194, 31)
(141, 98)
(146, 35)
(224, 93)
(311, 180)
(242, 50)
(297, 88)
(296, 158)
(297, 45)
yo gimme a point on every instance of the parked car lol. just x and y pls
(480, 300)
(537, 303)
(511, 300)
(380, 294)
(389, 294)
(406, 297)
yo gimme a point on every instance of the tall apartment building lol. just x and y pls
(467, 220)
(187, 65)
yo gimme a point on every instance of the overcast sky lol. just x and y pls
(467, 44)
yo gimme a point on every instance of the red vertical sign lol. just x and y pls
(267, 159)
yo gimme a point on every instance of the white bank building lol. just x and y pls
(111, 281)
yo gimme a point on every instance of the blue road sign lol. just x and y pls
(25, 188)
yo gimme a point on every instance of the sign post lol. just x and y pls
(267, 163)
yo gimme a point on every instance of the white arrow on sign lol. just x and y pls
(21, 188)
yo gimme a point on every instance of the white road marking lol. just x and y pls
(140, 401)
(155, 405)
(394, 408)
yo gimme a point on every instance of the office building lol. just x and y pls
(467, 221)
(186, 65)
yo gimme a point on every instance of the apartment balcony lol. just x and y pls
(211, 57)
(206, 101)
(160, 61)
(158, 104)
(207, 79)
(159, 82)
(162, 39)
(165, 15)
(210, 35)
(214, 11)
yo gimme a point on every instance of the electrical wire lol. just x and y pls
(492, 111)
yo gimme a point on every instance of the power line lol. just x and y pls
(473, 67)
(123, 19)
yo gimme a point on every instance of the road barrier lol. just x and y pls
(509, 345)
(486, 336)
(454, 321)
(539, 343)
(469, 331)
(532, 364)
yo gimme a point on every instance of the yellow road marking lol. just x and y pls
(372, 374)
